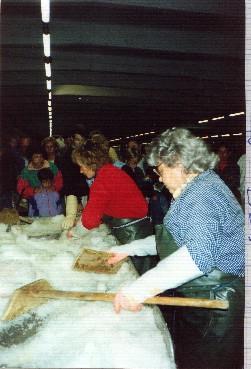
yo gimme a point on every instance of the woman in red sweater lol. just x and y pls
(114, 199)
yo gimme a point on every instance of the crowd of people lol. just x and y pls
(22, 158)
(17, 168)
(174, 208)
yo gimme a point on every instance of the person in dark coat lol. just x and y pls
(228, 170)
(8, 175)
(136, 173)
(75, 186)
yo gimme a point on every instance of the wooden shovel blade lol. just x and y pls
(23, 300)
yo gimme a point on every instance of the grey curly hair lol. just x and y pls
(179, 145)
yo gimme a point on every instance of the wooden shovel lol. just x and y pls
(37, 293)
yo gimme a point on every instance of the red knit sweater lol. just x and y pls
(113, 193)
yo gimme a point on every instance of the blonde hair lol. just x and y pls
(92, 155)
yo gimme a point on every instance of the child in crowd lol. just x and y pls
(46, 202)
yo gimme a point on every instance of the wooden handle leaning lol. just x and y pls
(188, 301)
(157, 300)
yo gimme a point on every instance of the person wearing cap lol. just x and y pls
(202, 251)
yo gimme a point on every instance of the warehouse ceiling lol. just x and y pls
(124, 66)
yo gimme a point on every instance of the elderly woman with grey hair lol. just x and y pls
(201, 247)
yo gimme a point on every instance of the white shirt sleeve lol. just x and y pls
(171, 272)
(143, 247)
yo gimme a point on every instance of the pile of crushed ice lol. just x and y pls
(67, 333)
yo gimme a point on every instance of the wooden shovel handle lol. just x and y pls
(157, 300)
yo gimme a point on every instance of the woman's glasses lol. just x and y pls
(156, 169)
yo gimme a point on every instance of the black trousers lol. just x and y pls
(208, 338)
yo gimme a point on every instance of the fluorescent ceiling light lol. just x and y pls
(237, 134)
(50, 95)
(45, 10)
(49, 108)
(47, 44)
(217, 118)
(214, 136)
(235, 114)
(48, 84)
(204, 137)
(203, 121)
(47, 70)
(225, 135)
(49, 102)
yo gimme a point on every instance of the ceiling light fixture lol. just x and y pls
(50, 95)
(45, 10)
(48, 84)
(213, 136)
(49, 102)
(237, 134)
(217, 118)
(203, 121)
(50, 128)
(204, 137)
(47, 70)
(47, 45)
(225, 135)
(235, 114)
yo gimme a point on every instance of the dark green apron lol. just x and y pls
(128, 230)
(206, 338)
